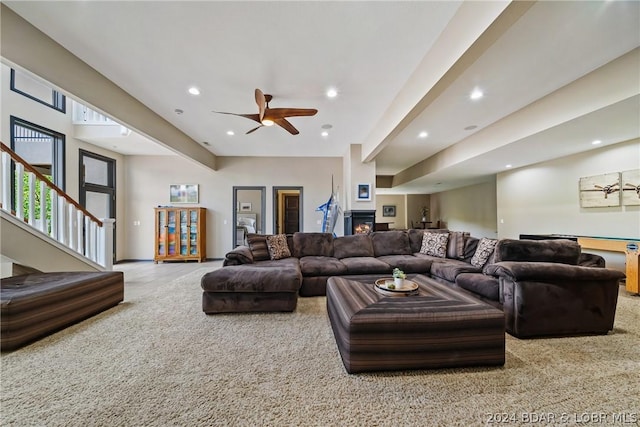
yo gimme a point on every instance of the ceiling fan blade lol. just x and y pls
(254, 117)
(254, 129)
(262, 103)
(290, 112)
(283, 123)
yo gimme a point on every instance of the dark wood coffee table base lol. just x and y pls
(440, 327)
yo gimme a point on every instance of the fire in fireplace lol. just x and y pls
(359, 222)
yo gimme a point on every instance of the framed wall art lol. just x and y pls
(245, 207)
(600, 190)
(631, 187)
(364, 192)
(388, 210)
(183, 193)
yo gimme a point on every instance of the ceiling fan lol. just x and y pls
(268, 116)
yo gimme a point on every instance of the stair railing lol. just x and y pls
(65, 221)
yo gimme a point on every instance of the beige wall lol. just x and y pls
(148, 179)
(471, 209)
(399, 201)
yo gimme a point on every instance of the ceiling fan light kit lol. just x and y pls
(269, 116)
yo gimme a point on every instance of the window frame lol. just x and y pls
(58, 100)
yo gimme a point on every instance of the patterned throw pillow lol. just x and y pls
(484, 251)
(278, 247)
(435, 244)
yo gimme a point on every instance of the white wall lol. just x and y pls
(544, 198)
(148, 179)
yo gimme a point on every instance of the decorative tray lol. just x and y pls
(408, 288)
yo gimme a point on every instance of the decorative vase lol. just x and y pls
(399, 282)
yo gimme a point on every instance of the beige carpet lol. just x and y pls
(159, 361)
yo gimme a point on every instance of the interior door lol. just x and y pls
(98, 187)
(291, 213)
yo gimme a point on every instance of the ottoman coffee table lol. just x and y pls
(435, 327)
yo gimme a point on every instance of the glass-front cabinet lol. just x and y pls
(180, 234)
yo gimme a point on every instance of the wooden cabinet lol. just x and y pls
(181, 234)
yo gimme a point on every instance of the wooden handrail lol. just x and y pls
(50, 184)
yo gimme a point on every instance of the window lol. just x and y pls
(40, 92)
(43, 148)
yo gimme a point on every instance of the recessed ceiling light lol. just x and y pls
(230, 133)
(423, 134)
(508, 166)
(596, 142)
(178, 111)
(332, 93)
(325, 133)
(476, 94)
(472, 127)
(194, 90)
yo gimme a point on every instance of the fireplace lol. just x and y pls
(359, 222)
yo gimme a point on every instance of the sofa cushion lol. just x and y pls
(321, 266)
(239, 255)
(258, 245)
(365, 265)
(312, 244)
(278, 248)
(481, 284)
(435, 244)
(448, 269)
(394, 242)
(470, 246)
(408, 263)
(561, 250)
(251, 278)
(455, 246)
(357, 245)
(485, 248)
(415, 239)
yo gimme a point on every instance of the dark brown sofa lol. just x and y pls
(508, 274)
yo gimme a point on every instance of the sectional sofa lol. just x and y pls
(544, 287)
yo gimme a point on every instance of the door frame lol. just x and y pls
(276, 191)
(234, 209)
(96, 188)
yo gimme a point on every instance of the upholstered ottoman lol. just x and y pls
(250, 288)
(437, 328)
(35, 305)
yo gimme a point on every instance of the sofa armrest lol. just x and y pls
(591, 260)
(550, 272)
(238, 256)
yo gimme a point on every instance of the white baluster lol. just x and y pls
(6, 182)
(19, 191)
(71, 226)
(79, 233)
(32, 199)
(43, 207)
(53, 232)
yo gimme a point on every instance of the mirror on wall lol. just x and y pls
(248, 213)
(287, 210)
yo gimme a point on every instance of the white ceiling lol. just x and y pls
(385, 60)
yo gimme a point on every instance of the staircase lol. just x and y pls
(43, 228)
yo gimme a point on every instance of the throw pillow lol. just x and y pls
(483, 252)
(435, 244)
(258, 245)
(278, 247)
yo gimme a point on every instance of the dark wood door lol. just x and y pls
(291, 214)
